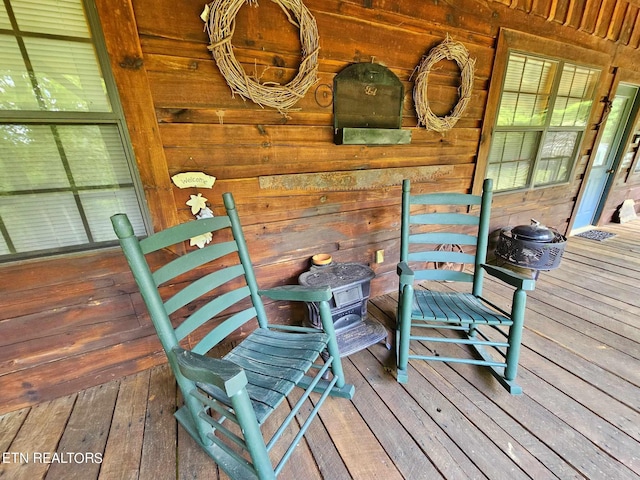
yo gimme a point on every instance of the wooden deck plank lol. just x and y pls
(85, 436)
(605, 438)
(587, 259)
(600, 418)
(607, 291)
(37, 440)
(577, 451)
(159, 446)
(616, 257)
(411, 455)
(604, 399)
(448, 458)
(601, 379)
(511, 459)
(617, 284)
(549, 425)
(10, 424)
(586, 307)
(545, 460)
(514, 421)
(564, 326)
(362, 453)
(492, 459)
(326, 455)
(193, 462)
(578, 337)
(124, 448)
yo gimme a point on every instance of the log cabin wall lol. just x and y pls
(77, 320)
(203, 127)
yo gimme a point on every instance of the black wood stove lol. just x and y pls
(351, 287)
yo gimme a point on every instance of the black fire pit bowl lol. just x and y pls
(539, 248)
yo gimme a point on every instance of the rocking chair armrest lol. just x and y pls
(405, 273)
(509, 276)
(298, 293)
(225, 375)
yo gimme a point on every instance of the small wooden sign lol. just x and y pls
(193, 179)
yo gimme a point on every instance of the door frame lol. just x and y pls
(621, 76)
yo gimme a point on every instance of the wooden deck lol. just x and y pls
(579, 416)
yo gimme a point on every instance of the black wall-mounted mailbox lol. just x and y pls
(367, 106)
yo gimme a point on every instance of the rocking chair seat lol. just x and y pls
(274, 363)
(455, 308)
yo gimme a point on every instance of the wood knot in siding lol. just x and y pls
(132, 63)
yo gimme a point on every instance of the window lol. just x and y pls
(64, 155)
(542, 115)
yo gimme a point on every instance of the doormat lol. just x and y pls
(597, 235)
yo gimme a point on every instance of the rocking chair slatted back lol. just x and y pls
(413, 245)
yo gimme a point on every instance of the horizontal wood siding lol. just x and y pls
(78, 320)
(67, 323)
(203, 127)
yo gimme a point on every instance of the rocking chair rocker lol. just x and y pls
(493, 333)
(218, 295)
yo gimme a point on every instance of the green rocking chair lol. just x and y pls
(212, 292)
(442, 229)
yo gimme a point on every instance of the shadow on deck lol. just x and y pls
(579, 416)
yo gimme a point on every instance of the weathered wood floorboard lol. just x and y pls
(579, 416)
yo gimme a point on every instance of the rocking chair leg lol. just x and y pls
(403, 334)
(253, 437)
(515, 334)
(499, 372)
(345, 391)
(472, 330)
(332, 346)
(510, 385)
